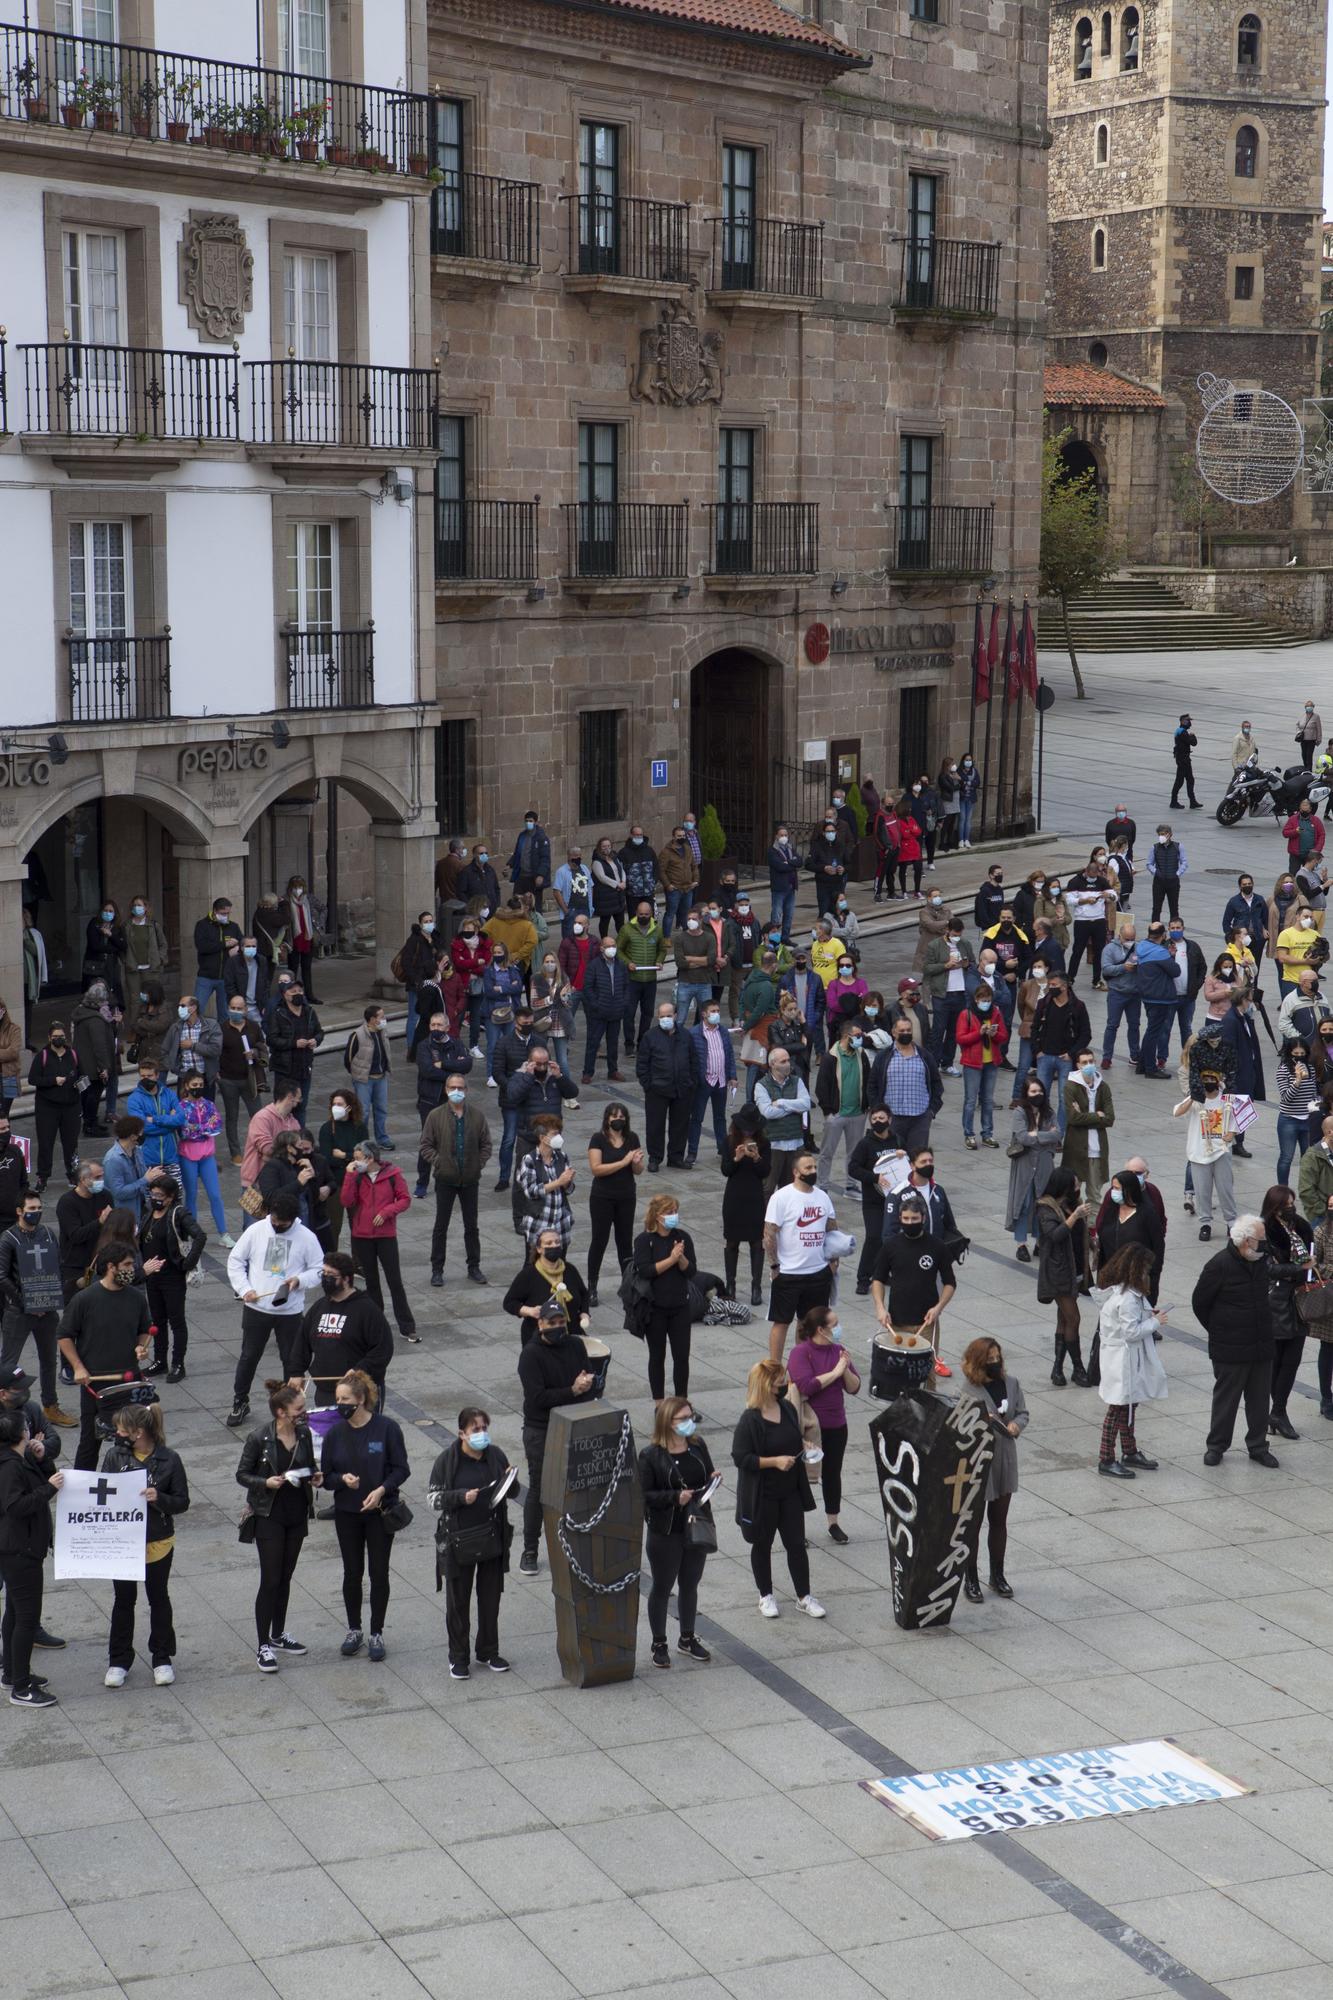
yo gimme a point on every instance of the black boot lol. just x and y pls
(1058, 1371)
(998, 1585)
(971, 1587)
(1082, 1380)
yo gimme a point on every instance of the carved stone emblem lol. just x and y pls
(216, 275)
(677, 363)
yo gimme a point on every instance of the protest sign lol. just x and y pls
(101, 1526)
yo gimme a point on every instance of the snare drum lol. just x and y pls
(599, 1361)
(900, 1362)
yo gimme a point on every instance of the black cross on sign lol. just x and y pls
(102, 1491)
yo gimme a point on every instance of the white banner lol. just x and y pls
(101, 1526)
(1046, 1791)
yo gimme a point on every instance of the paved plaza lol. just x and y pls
(383, 1832)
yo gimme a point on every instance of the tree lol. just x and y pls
(1076, 550)
(712, 840)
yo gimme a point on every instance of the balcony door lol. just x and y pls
(734, 554)
(451, 551)
(599, 197)
(310, 413)
(599, 494)
(740, 174)
(447, 218)
(101, 596)
(922, 211)
(916, 482)
(91, 21)
(303, 37)
(312, 617)
(93, 265)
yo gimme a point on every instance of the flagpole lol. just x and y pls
(1003, 771)
(987, 803)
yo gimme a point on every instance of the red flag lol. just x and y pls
(993, 650)
(980, 664)
(1028, 647)
(1013, 663)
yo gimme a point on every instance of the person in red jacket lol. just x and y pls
(1304, 834)
(574, 955)
(471, 954)
(981, 1039)
(375, 1195)
(909, 850)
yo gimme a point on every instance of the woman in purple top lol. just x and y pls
(822, 1370)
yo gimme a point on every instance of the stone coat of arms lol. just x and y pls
(677, 363)
(216, 275)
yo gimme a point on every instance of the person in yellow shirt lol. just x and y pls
(1294, 945)
(825, 950)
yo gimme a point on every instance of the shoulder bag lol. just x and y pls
(397, 1514)
(754, 1042)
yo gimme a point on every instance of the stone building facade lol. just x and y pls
(741, 326)
(1186, 205)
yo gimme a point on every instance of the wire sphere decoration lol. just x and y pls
(1250, 445)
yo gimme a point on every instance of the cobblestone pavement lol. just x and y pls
(382, 1831)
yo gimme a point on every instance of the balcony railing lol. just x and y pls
(119, 679)
(491, 221)
(342, 403)
(485, 541)
(327, 669)
(148, 392)
(764, 537)
(757, 254)
(950, 541)
(638, 542)
(73, 80)
(943, 276)
(619, 236)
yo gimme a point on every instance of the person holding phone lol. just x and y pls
(463, 1483)
(675, 1468)
(985, 1381)
(1060, 1215)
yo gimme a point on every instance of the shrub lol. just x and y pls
(712, 840)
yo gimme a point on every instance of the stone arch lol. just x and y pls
(1247, 144)
(1083, 47)
(183, 820)
(381, 799)
(1249, 42)
(731, 707)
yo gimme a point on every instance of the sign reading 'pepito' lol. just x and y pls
(211, 758)
(16, 772)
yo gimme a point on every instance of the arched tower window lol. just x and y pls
(1083, 47)
(1129, 38)
(1103, 150)
(1099, 249)
(1106, 32)
(1247, 153)
(1097, 354)
(1249, 41)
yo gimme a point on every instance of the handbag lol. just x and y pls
(482, 1543)
(754, 1042)
(249, 1527)
(252, 1201)
(1314, 1307)
(397, 1514)
(701, 1530)
(1015, 1150)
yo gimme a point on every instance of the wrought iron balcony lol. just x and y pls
(764, 537)
(486, 220)
(618, 236)
(79, 390)
(155, 94)
(754, 253)
(641, 542)
(327, 669)
(940, 541)
(119, 678)
(940, 275)
(485, 541)
(347, 403)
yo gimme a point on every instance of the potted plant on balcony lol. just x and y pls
(35, 107)
(713, 851)
(141, 100)
(367, 156)
(74, 111)
(215, 121)
(103, 97)
(303, 127)
(182, 93)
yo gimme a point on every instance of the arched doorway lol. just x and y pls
(1077, 461)
(729, 754)
(102, 850)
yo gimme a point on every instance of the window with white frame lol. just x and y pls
(312, 576)
(310, 406)
(97, 19)
(93, 265)
(100, 581)
(303, 36)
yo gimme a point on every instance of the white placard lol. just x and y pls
(101, 1526)
(1047, 1791)
(815, 753)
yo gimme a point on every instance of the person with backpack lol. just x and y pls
(366, 1060)
(140, 1446)
(472, 1541)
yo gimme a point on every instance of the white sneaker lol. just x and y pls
(227, 1241)
(768, 1607)
(477, 1053)
(954, 1069)
(115, 1677)
(813, 1608)
(491, 1084)
(164, 1675)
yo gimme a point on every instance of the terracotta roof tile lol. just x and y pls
(764, 19)
(1081, 386)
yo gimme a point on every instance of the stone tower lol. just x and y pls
(1186, 199)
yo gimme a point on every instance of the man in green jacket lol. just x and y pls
(1316, 1181)
(456, 1141)
(642, 947)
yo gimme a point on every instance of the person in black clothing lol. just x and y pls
(33, 1298)
(1289, 1240)
(213, 935)
(876, 1141)
(989, 900)
(462, 1482)
(1230, 1302)
(1121, 827)
(914, 1280)
(54, 1076)
(1060, 1032)
(294, 1036)
(79, 1216)
(1182, 743)
(668, 1072)
(43, 1451)
(278, 1470)
(364, 1462)
(673, 1469)
(545, 1275)
(104, 1336)
(747, 1161)
(170, 1244)
(140, 1446)
(664, 1255)
(552, 1370)
(773, 1493)
(13, 1174)
(343, 1330)
(615, 1160)
(26, 1493)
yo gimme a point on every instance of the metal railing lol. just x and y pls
(118, 678)
(621, 236)
(954, 541)
(485, 541)
(758, 254)
(939, 274)
(644, 540)
(327, 669)
(492, 221)
(150, 392)
(74, 80)
(764, 537)
(4, 384)
(343, 402)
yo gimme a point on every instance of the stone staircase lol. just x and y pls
(1138, 615)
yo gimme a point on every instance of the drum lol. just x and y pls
(900, 1362)
(599, 1361)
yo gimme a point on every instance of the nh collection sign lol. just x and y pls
(909, 646)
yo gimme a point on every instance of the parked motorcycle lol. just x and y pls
(1253, 790)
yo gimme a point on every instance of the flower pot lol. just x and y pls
(140, 124)
(36, 110)
(338, 156)
(244, 142)
(214, 135)
(177, 131)
(307, 149)
(104, 121)
(73, 116)
(367, 157)
(419, 164)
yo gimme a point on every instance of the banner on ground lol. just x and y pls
(101, 1526)
(1048, 1791)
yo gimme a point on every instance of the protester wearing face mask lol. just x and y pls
(999, 1395)
(80, 1213)
(642, 950)
(104, 1337)
(1120, 971)
(295, 1034)
(832, 846)
(674, 1468)
(1209, 1132)
(26, 1489)
(343, 1329)
(456, 1144)
(695, 946)
(822, 1372)
(33, 1299)
(552, 1371)
(1127, 1216)
(1297, 940)
(145, 941)
(842, 1092)
(364, 1463)
(472, 1541)
(170, 1246)
(1089, 1116)
(608, 1002)
(715, 1068)
(887, 832)
(1298, 1103)
(1091, 896)
(1061, 1218)
(615, 1159)
(95, 1025)
(667, 1070)
(149, 1021)
(773, 1493)
(273, 1263)
(981, 1043)
(54, 1077)
(105, 950)
(664, 1257)
(545, 1178)
(278, 1471)
(1034, 1140)
(1230, 1302)
(678, 868)
(242, 1060)
(906, 1080)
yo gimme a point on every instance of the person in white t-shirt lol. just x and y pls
(1208, 1137)
(796, 1221)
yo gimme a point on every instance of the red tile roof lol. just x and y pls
(1081, 386)
(765, 20)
